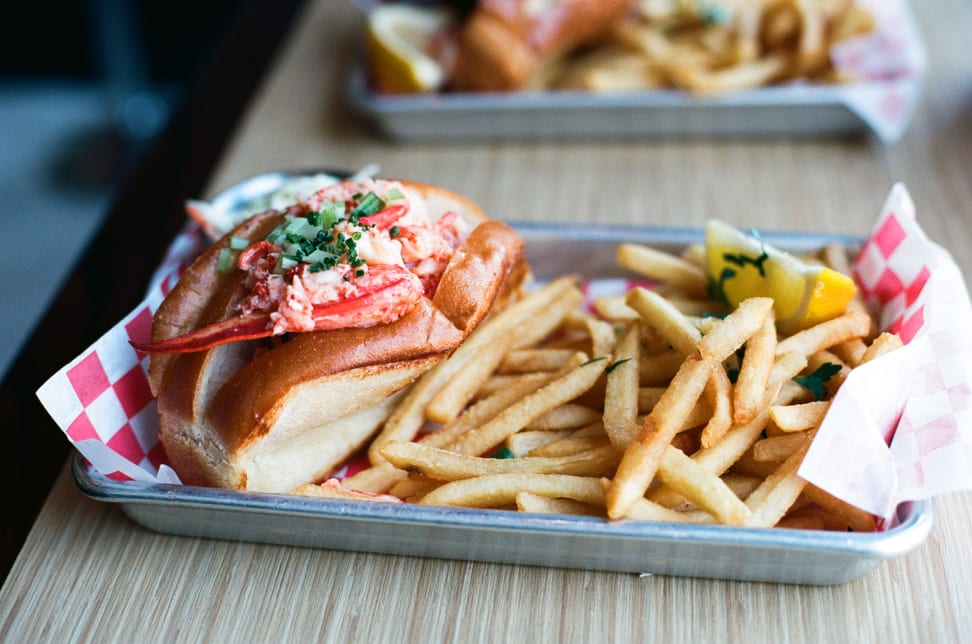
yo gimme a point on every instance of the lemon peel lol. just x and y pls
(740, 266)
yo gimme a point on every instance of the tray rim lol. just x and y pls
(388, 110)
(916, 518)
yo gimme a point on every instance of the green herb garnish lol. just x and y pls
(369, 205)
(815, 381)
(717, 289)
(615, 365)
(742, 259)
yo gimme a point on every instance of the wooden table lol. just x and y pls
(86, 572)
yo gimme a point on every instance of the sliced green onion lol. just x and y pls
(224, 262)
(331, 213)
(294, 226)
(369, 205)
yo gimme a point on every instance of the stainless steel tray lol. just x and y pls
(777, 555)
(793, 110)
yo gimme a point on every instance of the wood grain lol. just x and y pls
(88, 573)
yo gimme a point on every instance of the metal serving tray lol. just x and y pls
(792, 110)
(776, 555)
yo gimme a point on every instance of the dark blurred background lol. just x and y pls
(85, 87)
(112, 112)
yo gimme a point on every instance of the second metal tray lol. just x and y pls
(792, 110)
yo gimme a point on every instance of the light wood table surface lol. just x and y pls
(88, 573)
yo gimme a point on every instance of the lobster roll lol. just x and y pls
(284, 347)
(505, 44)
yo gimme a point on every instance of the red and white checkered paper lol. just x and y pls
(899, 429)
(890, 63)
(101, 399)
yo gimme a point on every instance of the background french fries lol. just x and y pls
(715, 47)
(635, 411)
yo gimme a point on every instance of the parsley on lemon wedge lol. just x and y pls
(740, 266)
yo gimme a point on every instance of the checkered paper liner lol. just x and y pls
(891, 63)
(899, 429)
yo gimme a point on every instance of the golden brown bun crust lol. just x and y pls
(476, 274)
(248, 405)
(202, 295)
(503, 42)
(223, 409)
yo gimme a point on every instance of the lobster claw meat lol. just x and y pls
(385, 219)
(395, 296)
(246, 327)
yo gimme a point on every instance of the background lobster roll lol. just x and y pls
(284, 347)
(505, 43)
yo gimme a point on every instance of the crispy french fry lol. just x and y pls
(777, 448)
(455, 394)
(718, 394)
(566, 416)
(797, 418)
(522, 443)
(850, 351)
(729, 334)
(659, 368)
(826, 334)
(770, 501)
(745, 75)
(659, 314)
(486, 437)
(533, 360)
(601, 334)
(569, 445)
(663, 267)
(501, 489)
(883, 344)
(376, 479)
(642, 457)
(414, 487)
(702, 488)
(721, 456)
(536, 504)
(621, 389)
(462, 374)
(546, 313)
(856, 519)
(613, 307)
(444, 465)
(748, 394)
(488, 408)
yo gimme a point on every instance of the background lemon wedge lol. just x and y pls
(741, 266)
(398, 40)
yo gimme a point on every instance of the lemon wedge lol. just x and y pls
(398, 41)
(742, 266)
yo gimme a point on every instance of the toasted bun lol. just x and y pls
(274, 415)
(503, 44)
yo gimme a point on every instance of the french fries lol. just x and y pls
(637, 412)
(712, 48)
